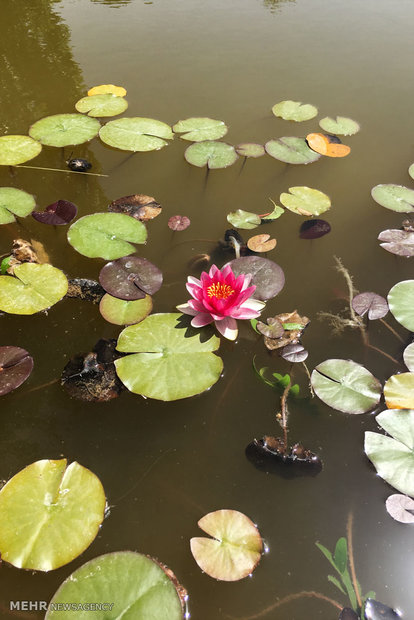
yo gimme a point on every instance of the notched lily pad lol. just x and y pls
(305, 200)
(294, 111)
(136, 134)
(59, 213)
(15, 150)
(16, 364)
(169, 360)
(65, 503)
(200, 129)
(179, 222)
(121, 312)
(341, 125)
(327, 145)
(64, 129)
(235, 548)
(244, 219)
(250, 149)
(101, 105)
(395, 197)
(400, 242)
(92, 377)
(267, 276)
(139, 206)
(138, 586)
(400, 507)
(346, 386)
(261, 243)
(212, 154)
(294, 353)
(14, 202)
(106, 235)
(130, 277)
(291, 150)
(104, 89)
(375, 306)
(314, 229)
(34, 288)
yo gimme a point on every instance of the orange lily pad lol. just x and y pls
(261, 243)
(330, 146)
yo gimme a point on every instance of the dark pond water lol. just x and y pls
(165, 465)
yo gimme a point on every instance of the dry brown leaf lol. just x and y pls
(261, 243)
(139, 206)
(290, 336)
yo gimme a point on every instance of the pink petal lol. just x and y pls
(195, 291)
(245, 313)
(194, 281)
(213, 270)
(196, 305)
(186, 309)
(202, 319)
(227, 327)
(253, 304)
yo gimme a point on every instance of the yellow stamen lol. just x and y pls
(219, 290)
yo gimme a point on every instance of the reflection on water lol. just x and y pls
(275, 5)
(114, 4)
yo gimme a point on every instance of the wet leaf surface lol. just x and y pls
(139, 206)
(314, 229)
(395, 197)
(200, 129)
(401, 303)
(375, 306)
(138, 585)
(261, 243)
(92, 377)
(136, 134)
(393, 456)
(179, 222)
(14, 202)
(346, 386)
(401, 508)
(64, 129)
(88, 290)
(294, 111)
(66, 503)
(294, 353)
(130, 277)
(15, 150)
(16, 364)
(400, 242)
(106, 235)
(235, 548)
(267, 276)
(377, 611)
(59, 213)
(305, 201)
(210, 153)
(291, 150)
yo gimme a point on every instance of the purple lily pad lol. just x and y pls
(267, 276)
(15, 367)
(313, 229)
(374, 610)
(348, 614)
(294, 353)
(59, 213)
(400, 242)
(179, 222)
(130, 277)
(375, 305)
(400, 507)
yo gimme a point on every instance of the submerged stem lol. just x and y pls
(351, 557)
(392, 330)
(284, 412)
(288, 599)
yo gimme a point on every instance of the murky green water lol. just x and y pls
(165, 465)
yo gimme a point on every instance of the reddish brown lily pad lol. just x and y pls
(59, 213)
(179, 222)
(15, 367)
(130, 277)
(139, 206)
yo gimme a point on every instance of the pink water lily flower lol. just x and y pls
(221, 297)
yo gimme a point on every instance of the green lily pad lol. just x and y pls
(235, 548)
(133, 586)
(50, 514)
(294, 111)
(35, 288)
(291, 150)
(305, 201)
(15, 150)
(393, 457)
(408, 356)
(101, 105)
(170, 360)
(199, 129)
(250, 149)
(401, 303)
(64, 129)
(273, 215)
(346, 386)
(106, 235)
(340, 126)
(243, 219)
(121, 312)
(411, 171)
(212, 154)
(14, 202)
(395, 197)
(399, 391)
(136, 134)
